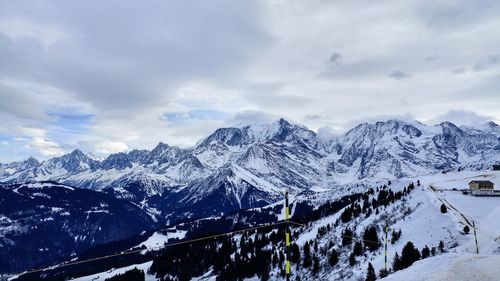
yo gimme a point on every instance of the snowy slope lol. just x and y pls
(453, 266)
(484, 211)
(422, 223)
(110, 273)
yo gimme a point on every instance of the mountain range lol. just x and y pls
(250, 166)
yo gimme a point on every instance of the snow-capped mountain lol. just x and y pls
(18, 167)
(281, 155)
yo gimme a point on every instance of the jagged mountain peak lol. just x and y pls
(448, 124)
(33, 160)
(75, 155)
(164, 154)
(162, 148)
(279, 130)
(379, 129)
(229, 136)
(162, 145)
(77, 152)
(118, 160)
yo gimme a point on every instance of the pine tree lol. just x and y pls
(370, 275)
(346, 214)
(346, 237)
(409, 255)
(371, 238)
(396, 262)
(466, 229)
(426, 252)
(443, 208)
(265, 275)
(307, 255)
(352, 259)
(315, 268)
(441, 246)
(134, 274)
(383, 273)
(334, 258)
(357, 249)
(294, 253)
(395, 235)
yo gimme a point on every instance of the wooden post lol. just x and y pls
(475, 236)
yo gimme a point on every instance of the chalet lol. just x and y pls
(496, 167)
(479, 187)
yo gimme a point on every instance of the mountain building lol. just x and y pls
(478, 187)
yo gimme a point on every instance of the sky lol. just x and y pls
(110, 76)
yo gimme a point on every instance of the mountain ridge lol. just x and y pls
(284, 155)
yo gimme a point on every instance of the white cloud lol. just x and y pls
(462, 117)
(251, 117)
(38, 141)
(110, 147)
(320, 63)
(327, 133)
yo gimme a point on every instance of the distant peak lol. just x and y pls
(282, 122)
(77, 152)
(447, 124)
(32, 159)
(162, 145)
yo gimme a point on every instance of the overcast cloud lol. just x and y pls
(109, 76)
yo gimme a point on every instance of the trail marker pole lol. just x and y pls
(385, 251)
(287, 238)
(475, 236)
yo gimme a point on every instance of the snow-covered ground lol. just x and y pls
(462, 263)
(424, 224)
(158, 239)
(483, 211)
(420, 219)
(110, 273)
(451, 267)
